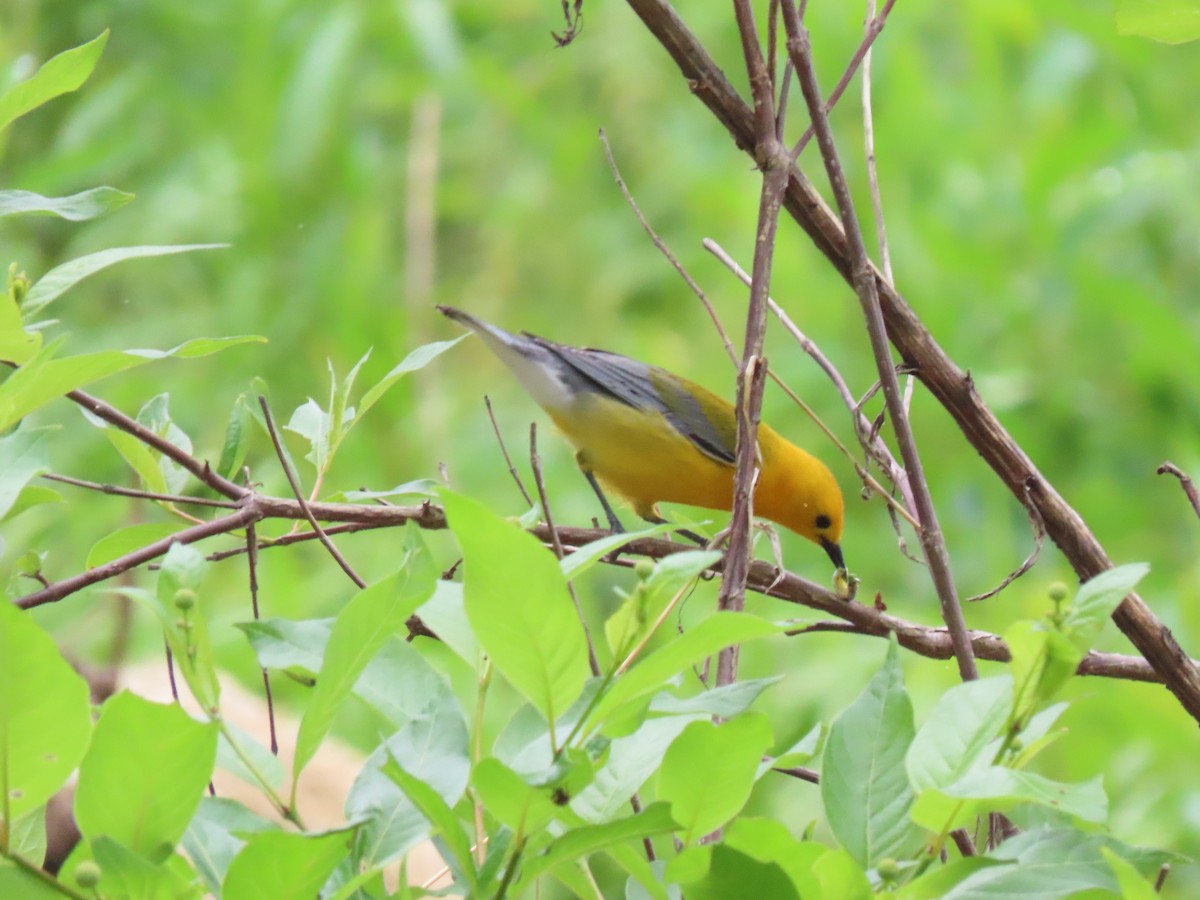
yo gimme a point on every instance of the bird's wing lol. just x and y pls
(654, 390)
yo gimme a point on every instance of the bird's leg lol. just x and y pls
(613, 522)
(655, 519)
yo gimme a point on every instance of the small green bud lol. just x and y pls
(184, 599)
(888, 869)
(1058, 592)
(644, 568)
(87, 874)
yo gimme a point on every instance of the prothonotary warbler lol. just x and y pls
(652, 436)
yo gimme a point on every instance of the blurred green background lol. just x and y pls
(366, 160)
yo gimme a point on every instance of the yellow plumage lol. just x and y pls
(653, 436)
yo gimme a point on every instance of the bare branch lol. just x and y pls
(865, 286)
(200, 470)
(1189, 487)
(666, 251)
(512, 470)
(119, 491)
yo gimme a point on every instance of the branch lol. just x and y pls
(863, 279)
(200, 470)
(772, 158)
(1185, 482)
(949, 384)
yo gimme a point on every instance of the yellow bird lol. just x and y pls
(653, 436)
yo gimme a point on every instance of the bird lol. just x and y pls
(653, 436)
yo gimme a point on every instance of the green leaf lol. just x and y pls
(61, 74)
(17, 345)
(864, 786)
(966, 878)
(631, 761)
(808, 748)
(575, 564)
(287, 644)
(140, 458)
(647, 677)
(580, 843)
(840, 876)
(238, 743)
(43, 378)
(312, 423)
(733, 873)
(237, 439)
(996, 789)
(726, 701)
(32, 495)
(75, 208)
(62, 278)
(361, 628)
(445, 824)
(768, 841)
(1132, 885)
(517, 602)
(340, 410)
(1167, 21)
(417, 359)
(126, 874)
(524, 809)
(433, 750)
(23, 455)
(16, 882)
(45, 715)
(1042, 662)
(27, 836)
(125, 540)
(280, 865)
(1096, 600)
(1039, 863)
(446, 616)
(957, 736)
(639, 614)
(143, 775)
(708, 772)
(217, 834)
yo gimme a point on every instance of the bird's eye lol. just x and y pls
(823, 521)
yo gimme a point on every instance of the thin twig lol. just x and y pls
(535, 462)
(119, 491)
(665, 250)
(963, 842)
(304, 504)
(1189, 486)
(252, 569)
(200, 470)
(512, 470)
(874, 27)
(801, 773)
(1159, 881)
(932, 540)
(1039, 533)
(775, 165)
(297, 538)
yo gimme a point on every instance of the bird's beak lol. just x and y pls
(835, 553)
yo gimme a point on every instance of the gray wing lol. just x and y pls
(646, 387)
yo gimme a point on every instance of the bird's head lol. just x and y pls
(798, 491)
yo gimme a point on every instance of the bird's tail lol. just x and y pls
(540, 371)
